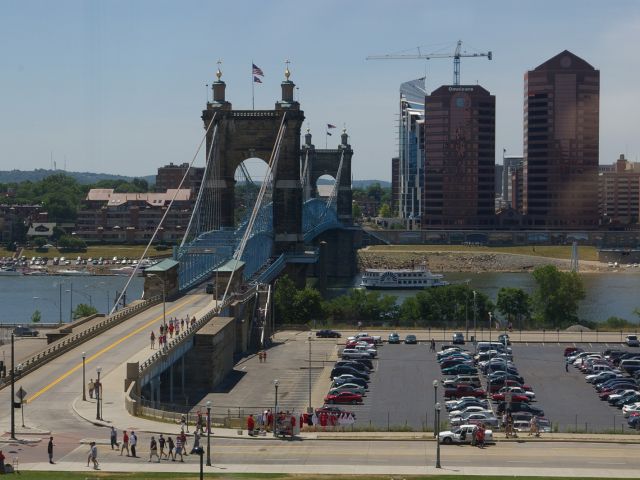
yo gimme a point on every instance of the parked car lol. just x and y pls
(463, 434)
(464, 391)
(328, 334)
(464, 402)
(350, 353)
(343, 397)
(458, 338)
(346, 378)
(469, 409)
(25, 332)
(410, 340)
(461, 369)
(632, 341)
(515, 397)
(518, 391)
(630, 408)
(475, 418)
(394, 338)
(361, 367)
(504, 339)
(520, 407)
(338, 371)
(348, 387)
(473, 380)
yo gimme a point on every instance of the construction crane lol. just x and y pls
(456, 55)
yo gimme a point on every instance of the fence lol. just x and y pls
(69, 342)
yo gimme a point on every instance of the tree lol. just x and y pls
(356, 211)
(514, 303)
(36, 317)
(83, 310)
(555, 301)
(385, 211)
(284, 299)
(40, 242)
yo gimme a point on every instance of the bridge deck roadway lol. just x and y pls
(52, 389)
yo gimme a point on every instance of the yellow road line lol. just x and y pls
(101, 352)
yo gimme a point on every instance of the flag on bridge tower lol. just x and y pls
(330, 126)
(256, 73)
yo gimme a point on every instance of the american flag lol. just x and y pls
(256, 79)
(330, 126)
(257, 70)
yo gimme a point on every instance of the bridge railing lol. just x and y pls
(70, 342)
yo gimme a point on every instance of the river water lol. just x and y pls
(607, 294)
(21, 295)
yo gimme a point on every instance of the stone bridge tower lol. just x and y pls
(244, 134)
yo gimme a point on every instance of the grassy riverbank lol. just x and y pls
(97, 251)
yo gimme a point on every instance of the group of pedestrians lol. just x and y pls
(169, 329)
(94, 388)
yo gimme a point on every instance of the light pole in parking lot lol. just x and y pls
(437, 415)
(310, 409)
(475, 331)
(490, 325)
(275, 408)
(435, 401)
(84, 390)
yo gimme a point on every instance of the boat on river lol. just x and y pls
(401, 278)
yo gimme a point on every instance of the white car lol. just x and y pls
(348, 353)
(470, 409)
(475, 418)
(632, 341)
(453, 404)
(627, 410)
(518, 391)
(463, 434)
(616, 396)
(348, 387)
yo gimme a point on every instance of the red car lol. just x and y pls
(353, 343)
(344, 397)
(515, 397)
(464, 391)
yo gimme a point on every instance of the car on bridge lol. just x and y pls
(21, 331)
(343, 397)
(463, 434)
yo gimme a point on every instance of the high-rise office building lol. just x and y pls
(561, 128)
(459, 185)
(620, 193)
(411, 150)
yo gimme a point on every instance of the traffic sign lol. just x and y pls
(21, 393)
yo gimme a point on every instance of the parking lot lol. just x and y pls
(401, 390)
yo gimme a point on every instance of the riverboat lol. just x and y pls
(401, 279)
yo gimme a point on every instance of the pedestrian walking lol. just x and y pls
(133, 442)
(125, 443)
(153, 449)
(152, 337)
(183, 437)
(184, 426)
(50, 449)
(162, 442)
(264, 356)
(179, 445)
(93, 455)
(251, 425)
(182, 324)
(170, 446)
(91, 386)
(114, 438)
(566, 365)
(2, 457)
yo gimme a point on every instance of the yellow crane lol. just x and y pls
(456, 55)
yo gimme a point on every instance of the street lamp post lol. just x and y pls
(490, 325)
(475, 331)
(275, 408)
(437, 415)
(208, 433)
(98, 394)
(84, 390)
(435, 401)
(310, 409)
(13, 378)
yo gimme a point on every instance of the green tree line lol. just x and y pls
(553, 305)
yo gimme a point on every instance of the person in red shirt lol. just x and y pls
(2, 457)
(251, 424)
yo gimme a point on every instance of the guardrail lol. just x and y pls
(63, 345)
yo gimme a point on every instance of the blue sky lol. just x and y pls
(119, 86)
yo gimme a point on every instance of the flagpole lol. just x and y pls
(253, 89)
(326, 138)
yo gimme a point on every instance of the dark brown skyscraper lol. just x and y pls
(561, 125)
(459, 157)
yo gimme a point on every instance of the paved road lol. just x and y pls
(52, 388)
(569, 459)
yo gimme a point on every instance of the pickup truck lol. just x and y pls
(464, 391)
(463, 434)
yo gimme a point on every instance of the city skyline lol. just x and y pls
(119, 87)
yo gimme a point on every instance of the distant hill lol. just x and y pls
(17, 176)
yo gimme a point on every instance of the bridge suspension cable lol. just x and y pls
(334, 191)
(164, 216)
(268, 180)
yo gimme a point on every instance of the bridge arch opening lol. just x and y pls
(324, 185)
(249, 176)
